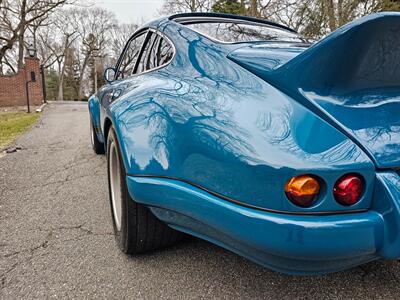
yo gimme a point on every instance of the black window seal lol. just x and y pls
(121, 57)
(146, 40)
(153, 44)
(135, 35)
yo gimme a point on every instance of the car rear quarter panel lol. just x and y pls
(205, 120)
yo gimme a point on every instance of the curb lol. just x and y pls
(38, 110)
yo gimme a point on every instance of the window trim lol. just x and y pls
(121, 57)
(162, 35)
(146, 40)
(147, 58)
(148, 31)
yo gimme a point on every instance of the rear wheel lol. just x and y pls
(136, 229)
(97, 146)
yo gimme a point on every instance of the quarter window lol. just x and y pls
(236, 32)
(147, 48)
(146, 52)
(159, 53)
(131, 55)
(165, 52)
(151, 60)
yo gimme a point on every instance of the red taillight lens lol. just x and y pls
(302, 190)
(348, 189)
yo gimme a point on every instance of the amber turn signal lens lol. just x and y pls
(302, 190)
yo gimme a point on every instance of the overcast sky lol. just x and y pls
(128, 11)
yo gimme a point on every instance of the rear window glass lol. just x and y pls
(230, 32)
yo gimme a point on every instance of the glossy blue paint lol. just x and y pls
(221, 127)
(94, 111)
(240, 120)
(292, 244)
(387, 203)
(262, 58)
(351, 78)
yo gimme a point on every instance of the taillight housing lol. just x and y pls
(348, 189)
(302, 190)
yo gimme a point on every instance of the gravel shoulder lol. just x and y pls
(57, 239)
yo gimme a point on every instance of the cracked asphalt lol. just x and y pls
(57, 240)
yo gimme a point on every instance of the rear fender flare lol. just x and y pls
(94, 112)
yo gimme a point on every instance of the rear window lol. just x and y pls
(232, 32)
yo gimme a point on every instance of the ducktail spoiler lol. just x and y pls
(351, 78)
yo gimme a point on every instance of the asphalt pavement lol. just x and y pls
(56, 238)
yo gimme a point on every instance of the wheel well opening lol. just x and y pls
(107, 125)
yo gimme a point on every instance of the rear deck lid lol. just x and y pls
(266, 57)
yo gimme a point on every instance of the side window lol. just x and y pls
(130, 56)
(158, 51)
(143, 58)
(165, 52)
(151, 60)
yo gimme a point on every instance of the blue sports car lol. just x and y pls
(241, 132)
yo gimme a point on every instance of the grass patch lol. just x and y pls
(13, 124)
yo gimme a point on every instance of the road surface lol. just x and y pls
(57, 241)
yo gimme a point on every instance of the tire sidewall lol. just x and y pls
(92, 134)
(97, 146)
(120, 235)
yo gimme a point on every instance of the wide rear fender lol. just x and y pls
(236, 136)
(94, 112)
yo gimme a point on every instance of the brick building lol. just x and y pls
(12, 88)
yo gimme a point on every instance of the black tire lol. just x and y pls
(97, 146)
(140, 231)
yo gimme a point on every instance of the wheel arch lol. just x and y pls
(94, 115)
(121, 141)
(107, 126)
(94, 110)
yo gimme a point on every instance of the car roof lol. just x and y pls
(194, 18)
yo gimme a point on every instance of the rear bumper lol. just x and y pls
(297, 244)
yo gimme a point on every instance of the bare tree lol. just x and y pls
(178, 6)
(253, 9)
(120, 35)
(53, 41)
(44, 40)
(93, 28)
(15, 18)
